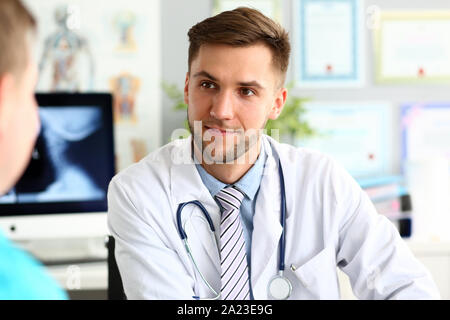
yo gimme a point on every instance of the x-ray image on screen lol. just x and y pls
(66, 164)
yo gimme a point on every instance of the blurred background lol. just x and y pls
(368, 84)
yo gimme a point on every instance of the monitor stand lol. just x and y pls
(54, 238)
(67, 250)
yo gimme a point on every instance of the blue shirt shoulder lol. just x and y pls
(24, 278)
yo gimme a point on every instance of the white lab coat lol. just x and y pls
(330, 222)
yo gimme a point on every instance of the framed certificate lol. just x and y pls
(270, 8)
(425, 130)
(328, 38)
(357, 135)
(413, 47)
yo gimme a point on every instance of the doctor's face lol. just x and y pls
(231, 92)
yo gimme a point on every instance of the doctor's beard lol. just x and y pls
(224, 149)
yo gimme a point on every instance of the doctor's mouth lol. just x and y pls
(217, 131)
(218, 144)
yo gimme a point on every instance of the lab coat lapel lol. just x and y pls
(186, 185)
(266, 227)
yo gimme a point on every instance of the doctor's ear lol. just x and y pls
(280, 100)
(186, 89)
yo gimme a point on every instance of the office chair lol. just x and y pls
(115, 286)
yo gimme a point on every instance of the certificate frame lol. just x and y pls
(355, 133)
(378, 41)
(355, 76)
(416, 120)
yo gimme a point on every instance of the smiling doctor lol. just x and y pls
(229, 213)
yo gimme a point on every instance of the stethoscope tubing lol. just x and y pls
(282, 243)
(181, 206)
(281, 264)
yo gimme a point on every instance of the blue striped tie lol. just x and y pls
(234, 277)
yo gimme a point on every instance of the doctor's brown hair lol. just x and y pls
(16, 24)
(242, 27)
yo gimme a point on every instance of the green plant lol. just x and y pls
(290, 124)
(174, 94)
(177, 97)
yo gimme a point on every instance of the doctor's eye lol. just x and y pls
(207, 85)
(247, 92)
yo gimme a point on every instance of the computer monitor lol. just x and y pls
(62, 192)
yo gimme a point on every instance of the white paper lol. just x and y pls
(330, 43)
(429, 185)
(415, 49)
(357, 135)
(426, 131)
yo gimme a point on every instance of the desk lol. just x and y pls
(89, 280)
(78, 265)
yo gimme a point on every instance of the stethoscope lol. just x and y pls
(279, 287)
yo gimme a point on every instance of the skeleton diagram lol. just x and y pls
(66, 57)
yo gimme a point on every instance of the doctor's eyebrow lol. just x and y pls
(254, 84)
(204, 74)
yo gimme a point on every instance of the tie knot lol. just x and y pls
(230, 198)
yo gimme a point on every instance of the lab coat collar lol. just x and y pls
(251, 180)
(266, 225)
(185, 181)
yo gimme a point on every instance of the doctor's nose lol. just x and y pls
(222, 106)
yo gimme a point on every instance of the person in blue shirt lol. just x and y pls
(21, 276)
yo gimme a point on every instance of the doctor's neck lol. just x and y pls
(228, 172)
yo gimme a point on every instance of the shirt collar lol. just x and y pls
(248, 184)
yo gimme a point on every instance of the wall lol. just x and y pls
(179, 16)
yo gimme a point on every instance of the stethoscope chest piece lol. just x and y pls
(279, 287)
